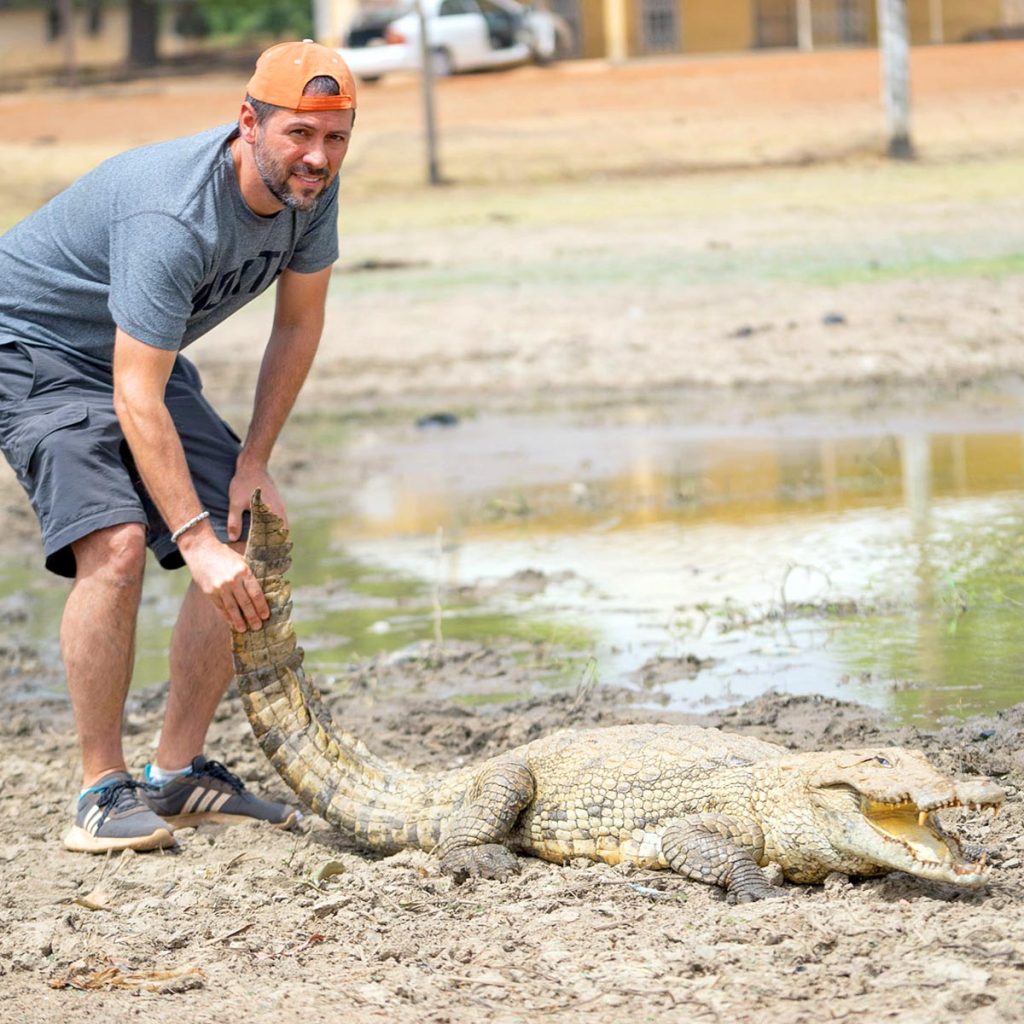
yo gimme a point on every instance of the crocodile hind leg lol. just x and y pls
(719, 850)
(473, 847)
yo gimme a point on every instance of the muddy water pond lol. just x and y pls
(875, 562)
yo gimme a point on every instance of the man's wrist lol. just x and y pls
(195, 537)
(252, 460)
(188, 525)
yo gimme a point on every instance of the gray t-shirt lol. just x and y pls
(158, 241)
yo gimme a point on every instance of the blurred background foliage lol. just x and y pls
(231, 19)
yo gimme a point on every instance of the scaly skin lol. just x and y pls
(712, 806)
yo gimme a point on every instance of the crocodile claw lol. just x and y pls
(755, 892)
(489, 861)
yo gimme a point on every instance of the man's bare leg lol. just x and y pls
(97, 641)
(201, 669)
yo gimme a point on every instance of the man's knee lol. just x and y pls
(118, 553)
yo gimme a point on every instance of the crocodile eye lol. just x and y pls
(883, 761)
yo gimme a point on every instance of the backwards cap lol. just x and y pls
(283, 71)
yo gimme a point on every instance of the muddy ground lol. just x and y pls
(302, 926)
(707, 239)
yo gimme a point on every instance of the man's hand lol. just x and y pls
(248, 476)
(223, 576)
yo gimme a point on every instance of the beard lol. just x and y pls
(276, 175)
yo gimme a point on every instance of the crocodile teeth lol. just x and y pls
(922, 817)
(996, 808)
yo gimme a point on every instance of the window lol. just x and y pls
(659, 26)
(449, 7)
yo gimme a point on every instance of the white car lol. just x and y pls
(463, 35)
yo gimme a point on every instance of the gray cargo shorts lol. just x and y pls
(59, 432)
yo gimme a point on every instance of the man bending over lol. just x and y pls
(107, 428)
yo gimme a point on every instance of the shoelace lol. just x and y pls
(217, 771)
(113, 797)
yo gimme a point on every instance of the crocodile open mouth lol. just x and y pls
(915, 830)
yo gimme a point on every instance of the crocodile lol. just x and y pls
(713, 806)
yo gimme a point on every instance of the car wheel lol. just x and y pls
(441, 63)
(538, 56)
(369, 79)
(555, 44)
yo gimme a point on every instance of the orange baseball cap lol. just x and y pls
(283, 71)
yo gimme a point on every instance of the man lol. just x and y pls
(110, 435)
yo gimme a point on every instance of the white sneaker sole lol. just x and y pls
(78, 840)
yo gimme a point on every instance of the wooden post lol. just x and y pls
(936, 29)
(804, 25)
(895, 54)
(427, 87)
(615, 45)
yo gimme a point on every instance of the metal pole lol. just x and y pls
(895, 53)
(427, 86)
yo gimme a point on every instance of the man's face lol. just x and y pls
(299, 154)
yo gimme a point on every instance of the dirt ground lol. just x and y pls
(719, 237)
(302, 926)
(704, 223)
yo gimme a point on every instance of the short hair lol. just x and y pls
(322, 85)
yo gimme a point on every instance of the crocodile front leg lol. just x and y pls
(973, 852)
(473, 846)
(719, 850)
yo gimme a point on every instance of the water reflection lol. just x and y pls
(560, 480)
(844, 558)
(884, 565)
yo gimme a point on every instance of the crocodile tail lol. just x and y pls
(331, 771)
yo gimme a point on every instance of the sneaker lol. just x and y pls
(210, 793)
(114, 818)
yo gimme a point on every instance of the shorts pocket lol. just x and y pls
(27, 434)
(17, 373)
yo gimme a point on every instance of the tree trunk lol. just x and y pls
(67, 19)
(143, 28)
(895, 48)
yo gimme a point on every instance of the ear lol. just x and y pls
(247, 123)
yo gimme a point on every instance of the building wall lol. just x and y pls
(24, 46)
(705, 26)
(774, 23)
(708, 26)
(723, 25)
(962, 17)
(1013, 12)
(592, 43)
(702, 26)
(959, 17)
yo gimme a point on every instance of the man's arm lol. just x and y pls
(140, 378)
(298, 323)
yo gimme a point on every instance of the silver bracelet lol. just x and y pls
(188, 526)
